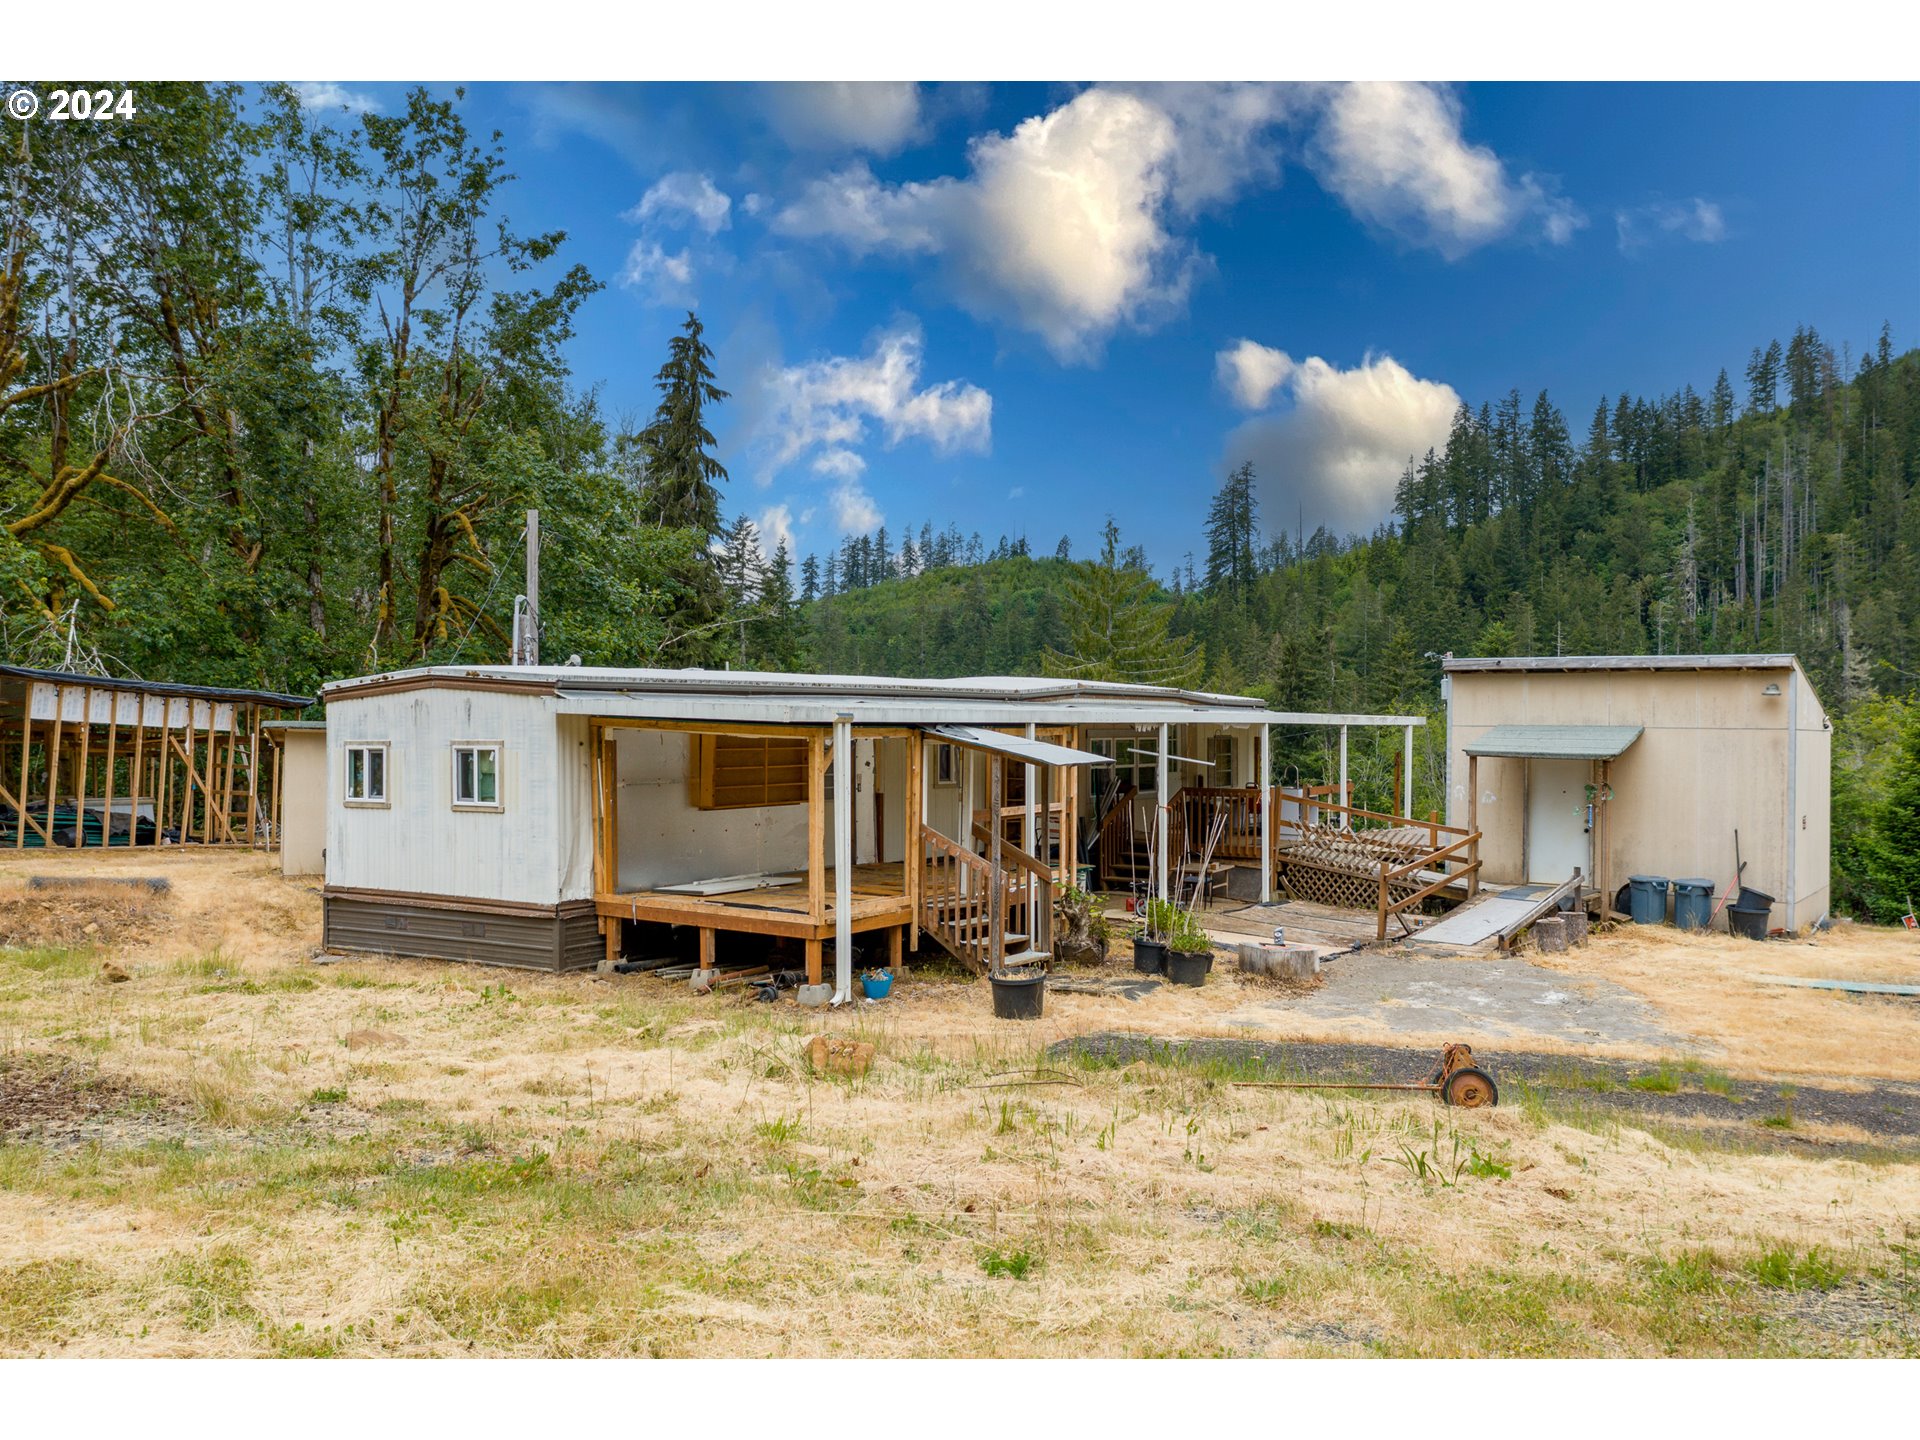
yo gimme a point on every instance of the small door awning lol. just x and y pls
(1017, 747)
(1554, 742)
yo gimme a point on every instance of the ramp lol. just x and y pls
(1485, 919)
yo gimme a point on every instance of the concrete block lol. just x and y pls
(1282, 962)
(814, 996)
(702, 980)
(1550, 934)
(1243, 882)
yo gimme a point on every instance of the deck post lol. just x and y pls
(996, 877)
(842, 858)
(1160, 813)
(896, 936)
(1603, 861)
(1032, 778)
(1267, 818)
(1473, 819)
(816, 839)
(1406, 773)
(813, 962)
(80, 776)
(1346, 795)
(913, 810)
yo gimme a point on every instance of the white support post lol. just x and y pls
(1160, 812)
(1346, 821)
(1406, 773)
(1266, 814)
(1027, 833)
(842, 859)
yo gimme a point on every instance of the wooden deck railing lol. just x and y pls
(971, 910)
(1114, 856)
(1470, 871)
(1194, 811)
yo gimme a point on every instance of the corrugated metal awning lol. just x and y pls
(1033, 752)
(1554, 742)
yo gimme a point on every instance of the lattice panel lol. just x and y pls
(1342, 888)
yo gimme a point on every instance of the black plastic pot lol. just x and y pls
(1752, 899)
(1750, 921)
(1019, 996)
(1189, 968)
(1150, 956)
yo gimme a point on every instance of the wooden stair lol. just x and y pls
(958, 909)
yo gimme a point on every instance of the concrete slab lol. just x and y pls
(1479, 998)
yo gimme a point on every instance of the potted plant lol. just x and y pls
(1189, 952)
(1151, 935)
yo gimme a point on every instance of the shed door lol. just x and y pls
(1557, 839)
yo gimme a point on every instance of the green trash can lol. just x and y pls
(1692, 903)
(1086, 878)
(1647, 899)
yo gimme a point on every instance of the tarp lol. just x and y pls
(1018, 747)
(1554, 742)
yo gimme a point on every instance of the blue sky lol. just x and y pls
(1023, 307)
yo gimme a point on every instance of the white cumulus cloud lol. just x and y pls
(666, 277)
(1395, 155)
(684, 195)
(878, 116)
(825, 409)
(1336, 449)
(853, 508)
(1058, 228)
(1698, 220)
(1250, 372)
(1077, 222)
(776, 528)
(332, 95)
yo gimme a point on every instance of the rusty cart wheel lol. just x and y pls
(1469, 1089)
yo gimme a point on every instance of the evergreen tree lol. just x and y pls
(809, 579)
(1892, 855)
(682, 476)
(1116, 630)
(1232, 531)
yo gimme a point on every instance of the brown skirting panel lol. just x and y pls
(529, 937)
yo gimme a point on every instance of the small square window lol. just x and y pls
(367, 774)
(946, 765)
(476, 777)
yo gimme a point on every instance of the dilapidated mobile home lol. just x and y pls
(541, 816)
(1645, 764)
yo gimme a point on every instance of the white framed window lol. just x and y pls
(476, 775)
(367, 773)
(946, 764)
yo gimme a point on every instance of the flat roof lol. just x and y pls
(160, 687)
(1554, 742)
(1621, 662)
(776, 697)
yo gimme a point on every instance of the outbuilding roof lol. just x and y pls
(1554, 742)
(160, 687)
(1620, 662)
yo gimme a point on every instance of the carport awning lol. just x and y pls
(1033, 752)
(1555, 742)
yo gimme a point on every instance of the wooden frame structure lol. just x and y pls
(90, 762)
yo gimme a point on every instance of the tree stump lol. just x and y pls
(1550, 934)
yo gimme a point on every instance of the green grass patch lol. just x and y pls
(1011, 1264)
(1784, 1268)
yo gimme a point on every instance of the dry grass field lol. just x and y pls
(238, 1151)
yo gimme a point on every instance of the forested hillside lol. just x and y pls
(276, 394)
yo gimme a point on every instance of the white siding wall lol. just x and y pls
(666, 840)
(418, 843)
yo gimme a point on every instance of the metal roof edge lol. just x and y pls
(161, 687)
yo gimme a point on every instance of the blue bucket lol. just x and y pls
(876, 984)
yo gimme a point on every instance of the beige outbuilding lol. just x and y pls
(1620, 765)
(301, 821)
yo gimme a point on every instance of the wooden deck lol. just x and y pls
(880, 902)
